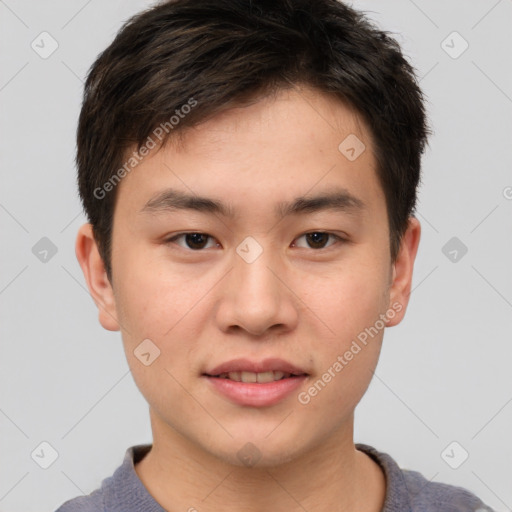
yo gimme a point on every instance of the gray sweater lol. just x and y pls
(406, 491)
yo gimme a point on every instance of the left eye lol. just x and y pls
(318, 239)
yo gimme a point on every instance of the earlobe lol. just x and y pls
(403, 267)
(100, 288)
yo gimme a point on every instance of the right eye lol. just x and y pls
(194, 241)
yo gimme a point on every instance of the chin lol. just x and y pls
(258, 452)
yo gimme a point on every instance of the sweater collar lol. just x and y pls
(129, 493)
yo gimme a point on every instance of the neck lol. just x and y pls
(332, 476)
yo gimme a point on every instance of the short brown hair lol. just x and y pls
(220, 54)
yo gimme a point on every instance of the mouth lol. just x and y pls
(257, 377)
(256, 384)
(261, 372)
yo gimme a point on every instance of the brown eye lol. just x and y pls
(319, 239)
(194, 241)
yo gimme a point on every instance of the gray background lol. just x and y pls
(444, 374)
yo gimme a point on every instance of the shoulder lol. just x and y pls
(410, 491)
(426, 496)
(121, 491)
(93, 502)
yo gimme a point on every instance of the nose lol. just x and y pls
(257, 297)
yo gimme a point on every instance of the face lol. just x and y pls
(256, 273)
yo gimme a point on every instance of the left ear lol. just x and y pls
(400, 289)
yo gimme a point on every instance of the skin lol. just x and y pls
(298, 302)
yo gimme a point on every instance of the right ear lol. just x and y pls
(88, 256)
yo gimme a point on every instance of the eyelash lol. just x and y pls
(180, 235)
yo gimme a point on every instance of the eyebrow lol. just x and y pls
(171, 200)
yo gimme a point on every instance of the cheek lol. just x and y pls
(149, 298)
(348, 304)
(347, 301)
(151, 308)
(164, 307)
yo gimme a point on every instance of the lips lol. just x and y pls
(249, 383)
(246, 365)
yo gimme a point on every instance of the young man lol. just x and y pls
(249, 170)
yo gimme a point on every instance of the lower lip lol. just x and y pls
(254, 394)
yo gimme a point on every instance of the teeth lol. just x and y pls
(249, 376)
(265, 377)
(278, 375)
(254, 377)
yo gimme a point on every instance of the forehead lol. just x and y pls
(301, 113)
(274, 149)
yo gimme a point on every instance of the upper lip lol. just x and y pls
(246, 365)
